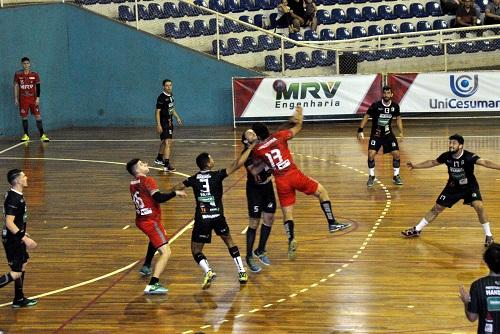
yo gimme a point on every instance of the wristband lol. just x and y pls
(360, 130)
(20, 234)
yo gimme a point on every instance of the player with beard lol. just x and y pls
(462, 184)
(382, 113)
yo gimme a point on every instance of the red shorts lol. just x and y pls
(155, 232)
(26, 105)
(294, 180)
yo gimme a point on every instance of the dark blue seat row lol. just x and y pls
(301, 60)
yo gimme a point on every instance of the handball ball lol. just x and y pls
(279, 86)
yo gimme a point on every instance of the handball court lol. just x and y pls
(366, 279)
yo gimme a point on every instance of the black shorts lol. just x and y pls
(450, 195)
(389, 143)
(16, 254)
(167, 125)
(202, 230)
(260, 198)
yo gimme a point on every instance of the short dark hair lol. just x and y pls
(261, 130)
(244, 140)
(458, 138)
(165, 81)
(202, 160)
(131, 166)
(386, 87)
(13, 174)
(492, 257)
(23, 59)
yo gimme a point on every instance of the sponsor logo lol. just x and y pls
(300, 90)
(464, 85)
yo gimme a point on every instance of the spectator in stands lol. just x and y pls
(297, 7)
(450, 6)
(466, 15)
(310, 14)
(492, 13)
(287, 18)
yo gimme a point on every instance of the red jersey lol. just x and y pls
(275, 153)
(146, 207)
(27, 83)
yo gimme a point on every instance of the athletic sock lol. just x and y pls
(326, 206)
(486, 228)
(154, 280)
(149, 255)
(25, 126)
(39, 126)
(289, 229)
(250, 240)
(265, 231)
(423, 223)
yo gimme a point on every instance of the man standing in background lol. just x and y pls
(27, 98)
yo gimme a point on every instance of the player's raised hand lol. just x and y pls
(463, 295)
(181, 193)
(410, 165)
(360, 135)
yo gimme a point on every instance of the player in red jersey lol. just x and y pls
(272, 150)
(27, 97)
(147, 198)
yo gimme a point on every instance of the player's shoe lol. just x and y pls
(169, 168)
(488, 241)
(252, 265)
(25, 302)
(145, 271)
(159, 162)
(371, 181)
(155, 289)
(207, 279)
(336, 226)
(292, 249)
(44, 138)
(243, 277)
(25, 137)
(411, 233)
(397, 180)
(262, 256)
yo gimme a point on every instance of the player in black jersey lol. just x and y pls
(462, 184)
(209, 214)
(382, 113)
(483, 301)
(14, 237)
(165, 111)
(261, 203)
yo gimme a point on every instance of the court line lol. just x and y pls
(13, 146)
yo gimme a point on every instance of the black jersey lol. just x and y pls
(166, 105)
(382, 116)
(14, 205)
(485, 301)
(461, 169)
(208, 190)
(262, 178)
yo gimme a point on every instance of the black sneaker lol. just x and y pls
(371, 181)
(25, 302)
(397, 180)
(488, 241)
(159, 162)
(336, 226)
(169, 168)
(411, 233)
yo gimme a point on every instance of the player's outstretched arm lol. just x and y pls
(241, 160)
(362, 125)
(425, 164)
(179, 186)
(487, 164)
(297, 119)
(160, 197)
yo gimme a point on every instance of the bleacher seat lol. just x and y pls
(326, 35)
(360, 1)
(125, 13)
(250, 44)
(201, 27)
(359, 32)
(223, 49)
(385, 13)
(354, 15)
(272, 64)
(433, 49)
(143, 13)
(375, 30)
(439, 24)
(406, 27)
(218, 6)
(401, 11)
(369, 13)
(322, 58)
(302, 59)
(265, 4)
(482, 4)
(342, 34)
(290, 63)
(171, 9)
(260, 21)
(249, 5)
(233, 6)
(297, 36)
(417, 10)
(329, 2)
(433, 9)
(173, 31)
(156, 11)
(339, 16)
(344, 2)
(390, 28)
(268, 43)
(310, 35)
(235, 46)
(185, 28)
(486, 46)
(423, 26)
(324, 17)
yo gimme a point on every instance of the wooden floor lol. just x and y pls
(365, 280)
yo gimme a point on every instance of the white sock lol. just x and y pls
(396, 171)
(239, 264)
(372, 171)
(423, 223)
(486, 228)
(204, 265)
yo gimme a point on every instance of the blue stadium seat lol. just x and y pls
(344, 2)
(342, 33)
(371, 55)
(453, 48)
(310, 35)
(324, 17)
(486, 46)
(104, 2)
(223, 49)
(339, 16)
(143, 13)
(369, 13)
(439, 24)
(185, 28)
(482, 4)
(406, 27)
(273, 22)
(401, 11)
(385, 13)
(329, 2)
(250, 44)
(390, 28)
(172, 31)
(156, 11)
(290, 63)
(247, 19)
(354, 15)
(302, 59)
(218, 6)
(375, 30)
(171, 10)
(201, 27)
(375, 0)
(417, 51)
(433, 49)
(260, 21)
(212, 26)
(265, 4)
(186, 10)
(423, 26)
(387, 54)
(116, 1)
(297, 36)
(272, 64)
(417, 10)
(359, 32)
(433, 9)
(202, 3)
(268, 43)
(360, 1)
(231, 26)
(326, 35)
(233, 6)
(321, 58)
(235, 46)
(249, 5)
(125, 13)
